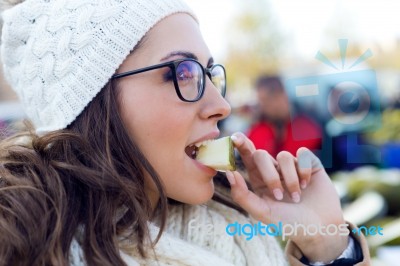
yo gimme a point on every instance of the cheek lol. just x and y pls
(144, 110)
(153, 122)
(159, 124)
(162, 125)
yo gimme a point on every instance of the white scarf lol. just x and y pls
(205, 242)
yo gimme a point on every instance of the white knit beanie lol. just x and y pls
(58, 54)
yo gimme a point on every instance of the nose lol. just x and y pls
(214, 105)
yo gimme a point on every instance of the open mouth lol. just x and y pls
(193, 149)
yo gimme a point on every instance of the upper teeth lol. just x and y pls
(198, 144)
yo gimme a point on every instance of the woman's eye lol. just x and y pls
(184, 74)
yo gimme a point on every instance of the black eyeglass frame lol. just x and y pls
(173, 65)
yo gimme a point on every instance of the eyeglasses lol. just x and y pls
(189, 77)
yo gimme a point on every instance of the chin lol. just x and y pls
(201, 196)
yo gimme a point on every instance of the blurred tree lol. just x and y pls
(254, 44)
(388, 58)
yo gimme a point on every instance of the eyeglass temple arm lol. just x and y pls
(141, 70)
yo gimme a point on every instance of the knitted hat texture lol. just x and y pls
(58, 54)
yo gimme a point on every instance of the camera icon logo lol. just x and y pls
(347, 103)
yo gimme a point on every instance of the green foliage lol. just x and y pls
(390, 129)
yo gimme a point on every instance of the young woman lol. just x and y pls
(118, 93)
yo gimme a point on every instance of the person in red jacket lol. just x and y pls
(275, 130)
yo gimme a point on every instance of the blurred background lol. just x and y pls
(325, 75)
(320, 74)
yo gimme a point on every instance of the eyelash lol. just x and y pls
(168, 75)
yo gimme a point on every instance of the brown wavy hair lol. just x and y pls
(87, 178)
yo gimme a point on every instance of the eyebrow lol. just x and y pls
(186, 54)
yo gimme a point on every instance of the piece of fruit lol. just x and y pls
(217, 154)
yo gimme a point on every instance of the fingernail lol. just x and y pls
(234, 138)
(230, 177)
(296, 197)
(303, 184)
(278, 194)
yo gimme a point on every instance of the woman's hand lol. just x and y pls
(290, 190)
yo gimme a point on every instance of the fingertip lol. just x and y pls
(296, 197)
(302, 150)
(277, 194)
(237, 138)
(303, 184)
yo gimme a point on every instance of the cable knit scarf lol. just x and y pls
(195, 235)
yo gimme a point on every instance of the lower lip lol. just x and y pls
(204, 168)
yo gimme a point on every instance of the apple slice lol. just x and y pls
(217, 154)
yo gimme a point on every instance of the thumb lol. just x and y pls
(257, 207)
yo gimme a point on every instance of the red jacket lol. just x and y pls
(296, 133)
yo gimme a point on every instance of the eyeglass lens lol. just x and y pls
(190, 78)
(189, 75)
(218, 78)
